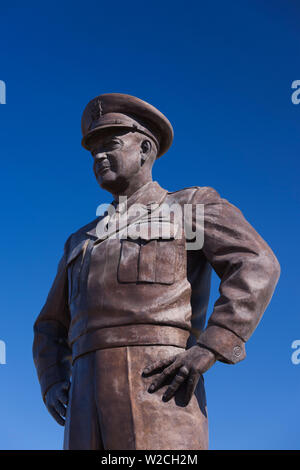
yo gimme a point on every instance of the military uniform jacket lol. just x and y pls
(111, 292)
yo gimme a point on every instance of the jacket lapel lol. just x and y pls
(139, 206)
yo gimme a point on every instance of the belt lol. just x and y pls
(129, 335)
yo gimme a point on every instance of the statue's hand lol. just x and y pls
(56, 400)
(185, 367)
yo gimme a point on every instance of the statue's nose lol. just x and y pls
(100, 156)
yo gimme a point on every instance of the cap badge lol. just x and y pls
(96, 110)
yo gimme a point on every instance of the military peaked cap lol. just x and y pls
(126, 111)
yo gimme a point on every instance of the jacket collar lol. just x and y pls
(148, 194)
(148, 197)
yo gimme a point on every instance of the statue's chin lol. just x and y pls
(112, 184)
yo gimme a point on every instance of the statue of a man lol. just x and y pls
(120, 345)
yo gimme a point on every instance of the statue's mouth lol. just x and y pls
(102, 168)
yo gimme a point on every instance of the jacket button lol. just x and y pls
(237, 351)
(121, 208)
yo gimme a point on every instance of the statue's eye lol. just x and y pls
(112, 144)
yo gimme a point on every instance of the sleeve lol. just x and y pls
(248, 272)
(51, 352)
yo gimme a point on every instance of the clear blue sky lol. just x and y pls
(222, 73)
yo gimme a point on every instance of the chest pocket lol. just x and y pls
(74, 266)
(146, 260)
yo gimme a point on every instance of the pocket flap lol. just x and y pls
(153, 230)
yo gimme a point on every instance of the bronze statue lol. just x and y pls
(125, 317)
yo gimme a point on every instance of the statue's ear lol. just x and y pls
(146, 148)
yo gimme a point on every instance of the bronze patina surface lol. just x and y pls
(120, 345)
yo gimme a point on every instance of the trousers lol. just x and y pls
(110, 407)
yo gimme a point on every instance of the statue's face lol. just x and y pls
(117, 158)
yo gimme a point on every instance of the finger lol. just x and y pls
(65, 385)
(192, 381)
(59, 408)
(158, 365)
(166, 373)
(63, 396)
(56, 416)
(180, 377)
